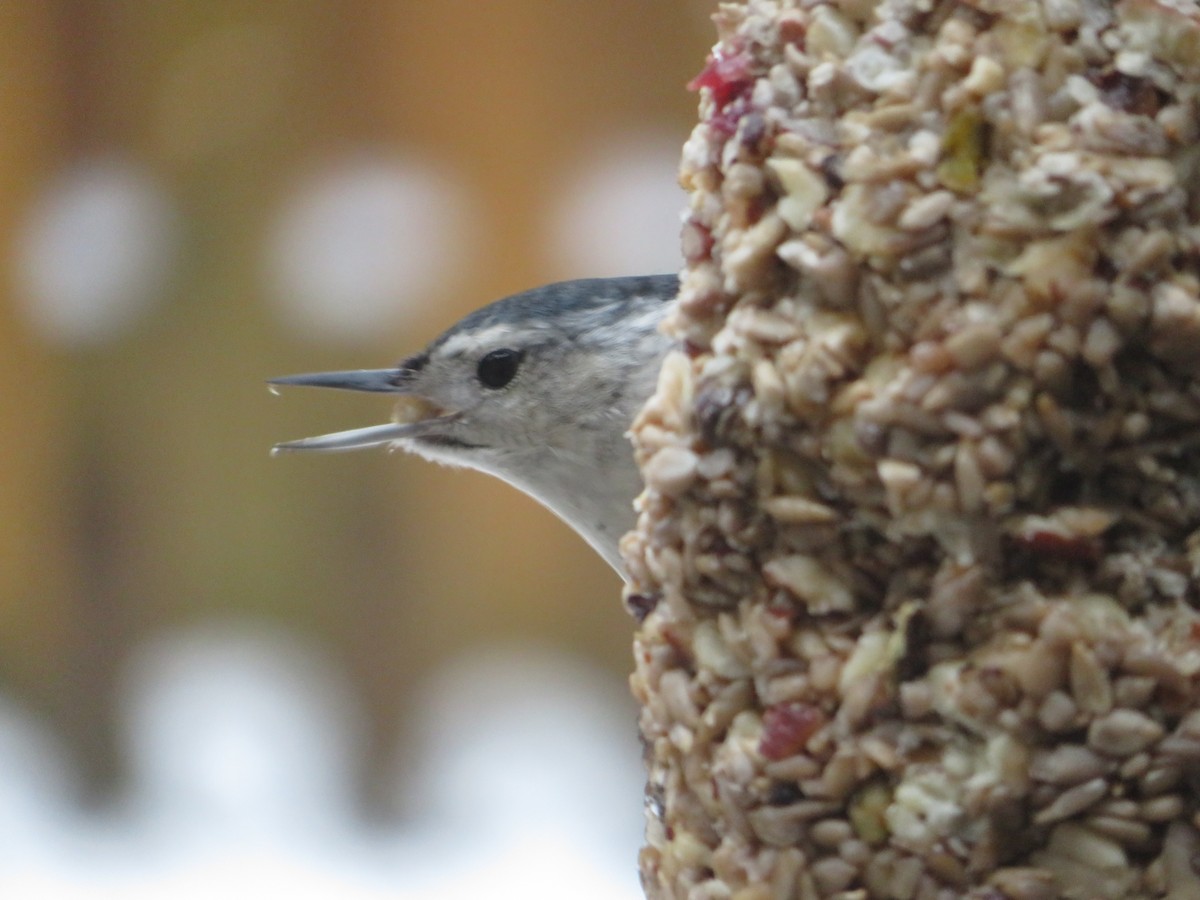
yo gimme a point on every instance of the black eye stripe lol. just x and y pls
(498, 368)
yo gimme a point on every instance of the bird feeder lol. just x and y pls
(916, 562)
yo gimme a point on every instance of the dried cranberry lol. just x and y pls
(727, 76)
(780, 610)
(793, 29)
(1056, 545)
(787, 728)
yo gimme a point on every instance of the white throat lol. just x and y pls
(599, 507)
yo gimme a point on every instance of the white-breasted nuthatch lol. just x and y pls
(538, 389)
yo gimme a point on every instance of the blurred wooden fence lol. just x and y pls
(135, 487)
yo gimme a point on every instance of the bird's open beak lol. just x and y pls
(380, 381)
(414, 415)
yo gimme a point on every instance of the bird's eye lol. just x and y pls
(498, 368)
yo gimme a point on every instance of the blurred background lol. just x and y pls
(353, 674)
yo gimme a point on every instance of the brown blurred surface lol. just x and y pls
(136, 487)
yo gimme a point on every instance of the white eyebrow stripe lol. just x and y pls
(492, 336)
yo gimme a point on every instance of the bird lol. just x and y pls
(538, 389)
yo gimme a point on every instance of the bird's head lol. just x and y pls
(538, 389)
